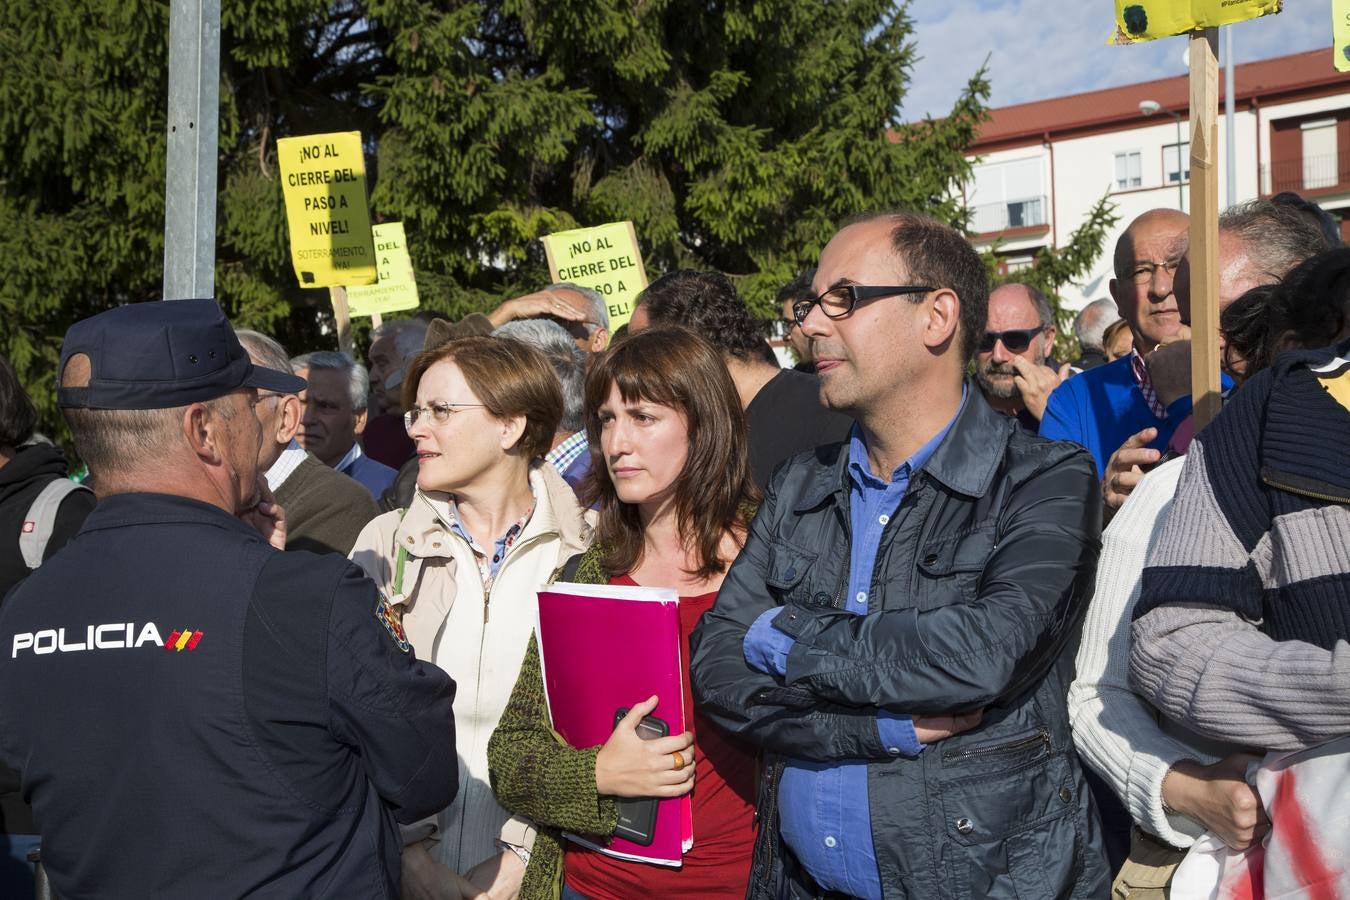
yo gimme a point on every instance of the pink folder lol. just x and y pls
(603, 647)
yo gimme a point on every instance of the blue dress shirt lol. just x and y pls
(824, 810)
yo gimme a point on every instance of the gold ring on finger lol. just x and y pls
(678, 759)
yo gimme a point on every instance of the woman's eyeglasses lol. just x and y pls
(1017, 340)
(440, 413)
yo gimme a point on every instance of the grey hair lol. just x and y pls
(264, 350)
(328, 360)
(1090, 325)
(117, 441)
(409, 335)
(594, 301)
(567, 359)
(1275, 236)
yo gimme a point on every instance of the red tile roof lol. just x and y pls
(1099, 110)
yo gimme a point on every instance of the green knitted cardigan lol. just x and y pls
(535, 774)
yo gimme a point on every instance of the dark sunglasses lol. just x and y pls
(839, 301)
(1017, 340)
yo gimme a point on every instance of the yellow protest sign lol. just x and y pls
(606, 259)
(1340, 34)
(323, 181)
(396, 287)
(1145, 20)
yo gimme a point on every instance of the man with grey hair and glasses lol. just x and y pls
(334, 416)
(325, 510)
(580, 310)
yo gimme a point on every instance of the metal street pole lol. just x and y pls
(1152, 108)
(193, 125)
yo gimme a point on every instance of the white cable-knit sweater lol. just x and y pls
(1115, 730)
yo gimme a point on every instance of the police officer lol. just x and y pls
(194, 713)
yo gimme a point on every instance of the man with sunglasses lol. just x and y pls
(1011, 365)
(916, 584)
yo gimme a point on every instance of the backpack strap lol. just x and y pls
(569, 569)
(40, 521)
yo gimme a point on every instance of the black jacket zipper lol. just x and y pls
(1042, 736)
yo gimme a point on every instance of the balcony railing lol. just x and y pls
(992, 217)
(1307, 174)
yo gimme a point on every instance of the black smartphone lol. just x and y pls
(637, 815)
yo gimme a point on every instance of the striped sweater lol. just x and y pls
(1261, 521)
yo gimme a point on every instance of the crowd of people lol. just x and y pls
(959, 619)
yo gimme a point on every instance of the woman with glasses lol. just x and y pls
(676, 498)
(459, 568)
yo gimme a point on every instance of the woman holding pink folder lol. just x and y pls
(676, 498)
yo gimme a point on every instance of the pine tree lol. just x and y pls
(736, 137)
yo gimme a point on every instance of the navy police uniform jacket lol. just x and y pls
(196, 714)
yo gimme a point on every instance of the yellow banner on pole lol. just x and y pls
(1340, 34)
(1146, 20)
(323, 181)
(396, 287)
(606, 259)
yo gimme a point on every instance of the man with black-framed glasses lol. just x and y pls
(325, 509)
(798, 288)
(917, 584)
(1012, 363)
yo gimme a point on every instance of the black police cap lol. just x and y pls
(158, 355)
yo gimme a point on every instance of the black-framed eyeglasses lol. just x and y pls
(1017, 340)
(440, 413)
(838, 302)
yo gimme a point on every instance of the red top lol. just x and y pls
(723, 806)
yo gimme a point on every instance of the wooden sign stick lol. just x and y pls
(1204, 229)
(342, 318)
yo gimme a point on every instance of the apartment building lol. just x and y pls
(1041, 166)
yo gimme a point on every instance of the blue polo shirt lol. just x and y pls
(823, 807)
(1102, 408)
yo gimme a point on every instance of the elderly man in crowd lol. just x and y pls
(1012, 362)
(783, 412)
(392, 347)
(334, 408)
(570, 453)
(935, 565)
(325, 510)
(194, 712)
(1089, 326)
(1259, 242)
(580, 310)
(1101, 408)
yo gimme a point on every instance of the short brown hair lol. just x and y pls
(674, 367)
(937, 255)
(510, 378)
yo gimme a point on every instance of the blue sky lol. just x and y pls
(1047, 48)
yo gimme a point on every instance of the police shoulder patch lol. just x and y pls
(391, 617)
